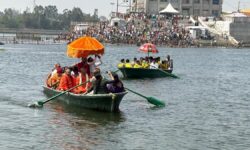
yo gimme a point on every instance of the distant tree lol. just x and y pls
(51, 12)
(77, 15)
(66, 18)
(43, 18)
(11, 18)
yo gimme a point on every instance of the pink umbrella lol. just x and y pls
(148, 48)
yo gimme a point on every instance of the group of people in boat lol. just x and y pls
(87, 74)
(148, 63)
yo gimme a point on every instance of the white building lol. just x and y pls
(185, 7)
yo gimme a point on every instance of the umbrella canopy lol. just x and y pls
(148, 48)
(84, 46)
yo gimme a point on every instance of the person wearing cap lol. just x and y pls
(115, 85)
(54, 79)
(66, 81)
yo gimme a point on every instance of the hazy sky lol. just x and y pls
(104, 6)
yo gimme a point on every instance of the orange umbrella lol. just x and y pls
(84, 46)
(148, 47)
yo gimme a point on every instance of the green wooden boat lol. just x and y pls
(104, 102)
(144, 73)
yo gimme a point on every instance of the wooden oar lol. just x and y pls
(151, 100)
(41, 103)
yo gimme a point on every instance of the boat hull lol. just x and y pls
(104, 102)
(143, 73)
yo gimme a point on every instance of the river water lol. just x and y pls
(207, 108)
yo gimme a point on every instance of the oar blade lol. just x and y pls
(155, 101)
(38, 104)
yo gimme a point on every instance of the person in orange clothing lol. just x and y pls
(83, 77)
(83, 64)
(54, 79)
(74, 74)
(66, 81)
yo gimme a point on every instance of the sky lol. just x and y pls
(104, 6)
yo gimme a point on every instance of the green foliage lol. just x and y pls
(43, 18)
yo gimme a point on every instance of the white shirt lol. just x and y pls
(94, 64)
(153, 65)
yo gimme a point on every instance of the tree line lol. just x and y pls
(43, 18)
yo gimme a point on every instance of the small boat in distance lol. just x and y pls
(1, 43)
(103, 102)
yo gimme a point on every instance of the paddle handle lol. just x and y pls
(136, 93)
(63, 93)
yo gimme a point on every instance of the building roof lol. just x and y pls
(169, 10)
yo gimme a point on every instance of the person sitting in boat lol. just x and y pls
(54, 70)
(150, 59)
(158, 60)
(168, 58)
(164, 65)
(121, 64)
(168, 61)
(133, 62)
(66, 81)
(83, 64)
(128, 64)
(115, 85)
(153, 65)
(93, 63)
(137, 64)
(145, 63)
(54, 79)
(98, 83)
(74, 74)
(82, 78)
(171, 65)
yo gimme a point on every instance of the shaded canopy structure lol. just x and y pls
(148, 48)
(169, 10)
(84, 46)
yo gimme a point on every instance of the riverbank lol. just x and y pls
(198, 44)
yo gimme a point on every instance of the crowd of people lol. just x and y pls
(139, 29)
(148, 63)
(84, 78)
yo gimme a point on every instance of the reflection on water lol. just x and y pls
(82, 124)
(94, 116)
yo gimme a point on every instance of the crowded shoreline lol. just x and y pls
(136, 29)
